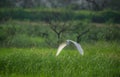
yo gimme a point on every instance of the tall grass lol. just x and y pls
(100, 60)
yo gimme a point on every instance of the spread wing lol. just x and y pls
(78, 47)
(60, 48)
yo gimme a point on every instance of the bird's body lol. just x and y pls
(79, 48)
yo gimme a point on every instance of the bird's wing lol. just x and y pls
(78, 47)
(60, 48)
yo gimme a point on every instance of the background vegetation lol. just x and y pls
(59, 15)
(25, 28)
(31, 31)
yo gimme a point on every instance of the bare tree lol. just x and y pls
(80, 29)
(59, 28)
(79, 35)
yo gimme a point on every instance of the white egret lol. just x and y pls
(79, 48)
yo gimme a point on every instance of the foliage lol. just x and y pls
(22, 35)
(40, 34)
(106, 15)
(112, 31)
(58, 15)
(6, 3)
(101, 59)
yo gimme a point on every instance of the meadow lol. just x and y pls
(101, 59)
(29, 39)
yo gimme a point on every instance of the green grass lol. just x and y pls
(101, 59)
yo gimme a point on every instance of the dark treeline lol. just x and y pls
(71, 4)
(59, 15)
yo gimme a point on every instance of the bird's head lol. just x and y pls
(67, 42)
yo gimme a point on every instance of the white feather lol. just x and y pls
(79, 48)
(60, 48)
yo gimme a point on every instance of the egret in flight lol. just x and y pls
(79, 48)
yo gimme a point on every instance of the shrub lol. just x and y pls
(106, 15)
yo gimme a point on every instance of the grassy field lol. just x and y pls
(101, 59)
(29, 39)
